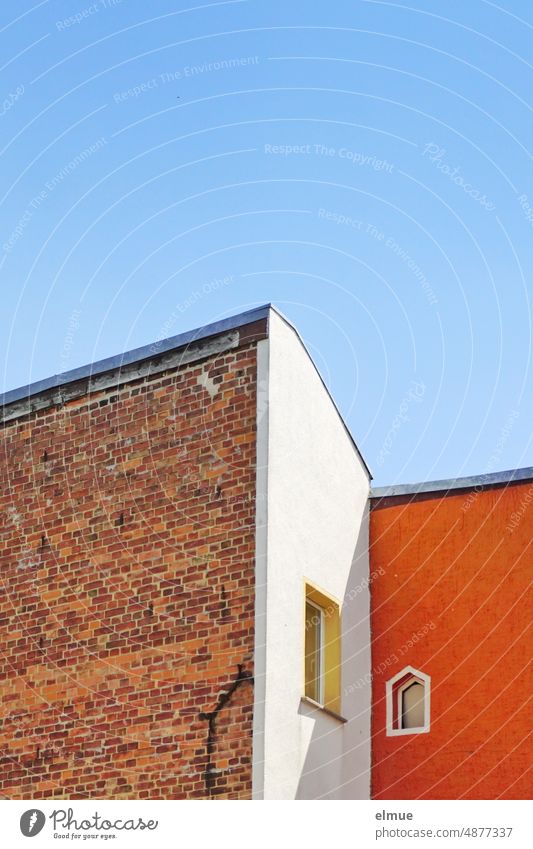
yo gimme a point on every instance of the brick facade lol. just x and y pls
(127, 564)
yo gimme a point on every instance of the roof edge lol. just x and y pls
(136, 355)
(472, 482)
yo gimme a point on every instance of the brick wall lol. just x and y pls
(127, 594)
(454, 601)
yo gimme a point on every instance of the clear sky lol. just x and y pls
(366, 166)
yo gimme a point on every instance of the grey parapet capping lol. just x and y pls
(194, 345)
(444, 486)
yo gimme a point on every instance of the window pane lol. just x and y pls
(313, 642)
(413, 706)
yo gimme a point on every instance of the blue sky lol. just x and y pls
(366, 166)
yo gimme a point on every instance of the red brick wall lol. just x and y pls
(454, 601)
(127, 595)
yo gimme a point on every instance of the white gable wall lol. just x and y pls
(312, 524)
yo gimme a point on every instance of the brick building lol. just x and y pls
(193, 564)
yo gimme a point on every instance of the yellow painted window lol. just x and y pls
(322, 648)
(314, 647)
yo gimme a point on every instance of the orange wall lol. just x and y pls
(452, 601)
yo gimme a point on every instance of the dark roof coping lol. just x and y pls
(491, 479)
(138, 362)
(137, 355)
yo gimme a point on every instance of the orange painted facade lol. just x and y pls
(453, 600)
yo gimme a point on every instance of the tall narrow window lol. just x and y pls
(314, 649)
(322, 666)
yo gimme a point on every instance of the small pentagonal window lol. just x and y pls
(408, 702)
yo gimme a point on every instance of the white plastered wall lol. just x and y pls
(312, 497)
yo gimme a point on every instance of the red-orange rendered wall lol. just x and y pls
(451, 598)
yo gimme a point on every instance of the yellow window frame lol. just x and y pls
(331, 645)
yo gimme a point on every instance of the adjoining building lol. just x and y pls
(451, 638)
(202, 597)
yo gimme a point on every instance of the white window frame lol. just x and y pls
(321, 651)
(414, 675)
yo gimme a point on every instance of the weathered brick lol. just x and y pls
(129, 589)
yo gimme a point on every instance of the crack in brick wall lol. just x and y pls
(243, 677)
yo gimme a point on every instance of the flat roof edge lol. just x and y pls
(136, 355)
(489, 479)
